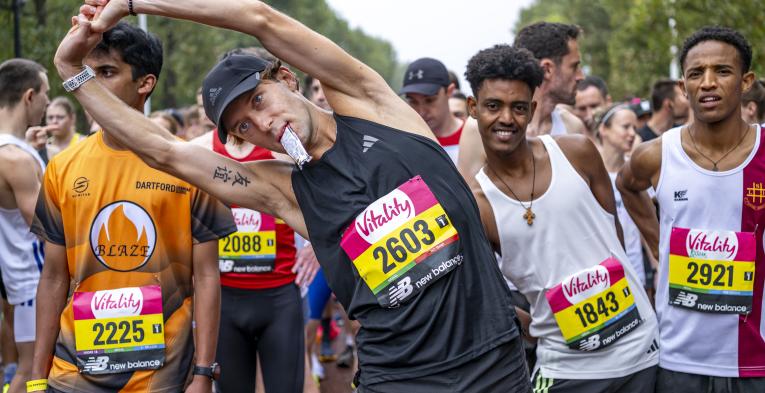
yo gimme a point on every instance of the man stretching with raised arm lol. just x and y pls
(395, 226)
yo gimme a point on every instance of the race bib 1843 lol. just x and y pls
(402, 243)
(252, 249)
(594, 307)
(712, 271)
(119, 330)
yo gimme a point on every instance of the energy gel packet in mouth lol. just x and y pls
(294, 147)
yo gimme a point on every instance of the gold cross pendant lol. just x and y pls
(529, 216)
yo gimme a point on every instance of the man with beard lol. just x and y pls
(555, 46)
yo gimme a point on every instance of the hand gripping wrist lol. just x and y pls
(37, 385)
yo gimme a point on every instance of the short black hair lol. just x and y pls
(722, 34)
(757, 95)
(593, 81)
(16, 77)
(139, 49)
(504, 62)
(308, 80)
(663, 89)
(453, 79)
(547, 40)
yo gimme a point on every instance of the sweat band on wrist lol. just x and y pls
(37, 385)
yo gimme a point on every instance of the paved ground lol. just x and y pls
(337, 380)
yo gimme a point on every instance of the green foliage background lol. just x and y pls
(627, 42)
(190, 49)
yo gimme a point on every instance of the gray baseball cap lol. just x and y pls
(425, 76)
(229, 79)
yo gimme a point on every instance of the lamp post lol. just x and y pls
(16, 9)
(142, 23)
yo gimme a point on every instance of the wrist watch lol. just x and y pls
(212, 372)
(78, 80)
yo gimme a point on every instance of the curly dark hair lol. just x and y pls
(722, 34)
(547, 40)
(503, 62)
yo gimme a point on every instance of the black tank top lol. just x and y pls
(399, 236)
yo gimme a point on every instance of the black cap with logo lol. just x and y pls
(425, 76)
(229, 79)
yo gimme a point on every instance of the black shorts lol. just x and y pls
(668, 381)
(501, 370)
(640, 382)
(2, 289)
(267, 323)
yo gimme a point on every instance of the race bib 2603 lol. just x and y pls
(594, 307)
(402, 243)
(119, 330)
(712, 271)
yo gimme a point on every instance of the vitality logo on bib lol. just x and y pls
(585, 284)
(718, 245)
(123, 236)
(384, 215)
(124, 302)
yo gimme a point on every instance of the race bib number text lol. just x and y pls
(594, 307)
(712, 271)
(402, 243)
(119, 330)
(252, 249)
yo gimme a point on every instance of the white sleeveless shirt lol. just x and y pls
(21, 253)
(632, 243)
(558, 126)
(571, 233)
(689, 196)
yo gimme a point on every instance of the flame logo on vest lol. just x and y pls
(123, 236)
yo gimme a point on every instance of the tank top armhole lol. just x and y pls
(666, 140)
(488, 188)
(558, 159)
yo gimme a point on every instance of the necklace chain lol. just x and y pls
(529, 215)
(714, 163)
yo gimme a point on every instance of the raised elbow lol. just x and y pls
(259, 16)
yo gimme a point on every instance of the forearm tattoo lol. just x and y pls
(225, 175)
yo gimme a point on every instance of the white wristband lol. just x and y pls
(78, 80)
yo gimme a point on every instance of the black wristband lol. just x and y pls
(130, 8)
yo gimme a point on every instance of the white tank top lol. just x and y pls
(571, 233)
(632, 242)
(21, 253)
(724, 345)
(558, 126)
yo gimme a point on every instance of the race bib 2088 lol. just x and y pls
(402, 243)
